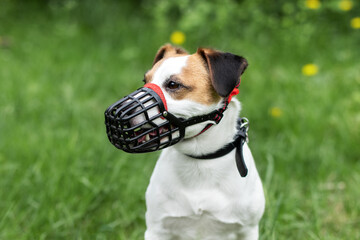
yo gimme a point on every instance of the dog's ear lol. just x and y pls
(168, 50)
(225, 69)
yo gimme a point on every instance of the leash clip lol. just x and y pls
(244, 128)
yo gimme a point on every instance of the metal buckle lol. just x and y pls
(244, 123)
(244, 126)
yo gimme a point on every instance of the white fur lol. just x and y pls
(170, 66)
(202, 199)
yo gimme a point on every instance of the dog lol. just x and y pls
(205, 184)
(188, 198)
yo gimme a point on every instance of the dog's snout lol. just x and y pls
(136, 124)
(144, 112)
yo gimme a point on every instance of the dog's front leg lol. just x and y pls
(250, 233)
(154, 224)
(155, 233)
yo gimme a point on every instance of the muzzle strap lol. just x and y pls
(220, 111)
(234, 92)
(238, 143)
(140, 122)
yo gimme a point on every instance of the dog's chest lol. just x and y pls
(203, 215)
(202, 226)
(201, 202)
(202, 199)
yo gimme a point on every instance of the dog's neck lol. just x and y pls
(216, 136)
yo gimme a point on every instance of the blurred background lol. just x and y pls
(63, 62)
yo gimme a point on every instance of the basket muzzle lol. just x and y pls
(140, 122)
(137, 122)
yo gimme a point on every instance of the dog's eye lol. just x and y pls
(173, 85)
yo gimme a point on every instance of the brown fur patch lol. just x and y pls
(195, 77)
(163, 53)
(168, 50)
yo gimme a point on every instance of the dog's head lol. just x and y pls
(195, 84)
(188, 85)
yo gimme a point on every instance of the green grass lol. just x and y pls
(60, 178)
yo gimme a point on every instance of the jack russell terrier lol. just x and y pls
(205, 184)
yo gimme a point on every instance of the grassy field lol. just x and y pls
(60, 69)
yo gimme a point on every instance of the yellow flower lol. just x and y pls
(177, 37)
(275, 112)
(355, 23)
(345, 5)
(310, 69)
(313, 4)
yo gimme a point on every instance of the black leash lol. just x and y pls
(238, 143)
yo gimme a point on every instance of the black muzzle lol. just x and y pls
(140, 122)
